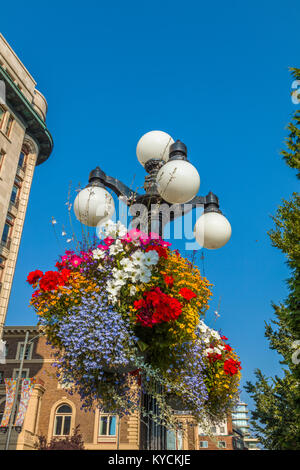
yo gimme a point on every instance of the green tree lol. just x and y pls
(276, 418)
(74, 442)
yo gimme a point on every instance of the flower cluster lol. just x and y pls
(127, 312)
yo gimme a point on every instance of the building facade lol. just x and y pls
(54, 412)
(24, 143)
(240, 422)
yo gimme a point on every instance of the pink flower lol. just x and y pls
(75, 260)
(165, 244)
(127, 238)
(154, 236)
(103, 247)
(144, 239)
(134, 233)
(109, 241)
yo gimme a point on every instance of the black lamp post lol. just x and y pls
(154, 202)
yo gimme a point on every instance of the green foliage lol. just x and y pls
(292, 154)
(74, 442)
(276, 419)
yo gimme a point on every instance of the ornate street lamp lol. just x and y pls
(173, 181)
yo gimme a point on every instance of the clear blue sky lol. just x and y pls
(213, 74)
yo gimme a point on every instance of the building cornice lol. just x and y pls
(35, 126)
(17, 330)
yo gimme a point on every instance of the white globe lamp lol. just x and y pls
(93, 206)
(212, 230)
(154, 145)
(178, 181)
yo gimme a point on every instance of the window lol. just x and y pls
(28, 351)
(25, 373)
(2, 153)
(107, 425)
(203, 444)
(222, 430)
(2, 114)
(1, 377)
(9, 125)
(14, 193)
(213, 429)
(21, 160)
(222, 445)
(62, 423)
(5, 233)
(2, 408)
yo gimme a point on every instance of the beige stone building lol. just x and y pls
(24, 143)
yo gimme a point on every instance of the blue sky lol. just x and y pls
(214, 75)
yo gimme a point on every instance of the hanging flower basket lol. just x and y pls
(126, 314)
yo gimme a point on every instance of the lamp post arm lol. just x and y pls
(99, 178)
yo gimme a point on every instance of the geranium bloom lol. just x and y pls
(231, 367)
(157, 307)
(50, 281)
(64, 276)
(162, 252)
(34, 276)
(187, 294)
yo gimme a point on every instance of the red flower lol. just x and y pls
(213, 357)
(224, 338)
(50, 281)
(227, 347)
(157, 308)
(59, 265)
(64, 276)
(231, 367)
(34, 276)
(36, 293)
(187, 294)
(169, 281)
(162, 252)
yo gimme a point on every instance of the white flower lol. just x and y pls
(120, 277)
(151, 258)
(132, 290)
(217, 351)
(209, 351)
(215, 334)
(138, 257)
(113, 290)
(116, 248)
(121, 229)
(144, 274)
(127, 265)
(144, 277)
(98, 254)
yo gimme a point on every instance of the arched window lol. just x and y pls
(62, 420)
